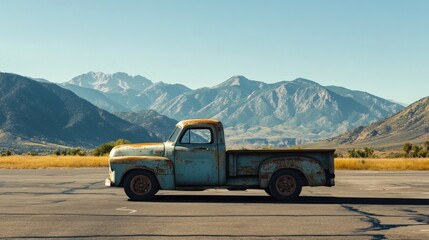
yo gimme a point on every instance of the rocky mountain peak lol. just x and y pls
(242, 81)
(119, 82)
(237, 80)
(306, 83)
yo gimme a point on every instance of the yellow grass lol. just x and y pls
(35, 162)
(382, 164)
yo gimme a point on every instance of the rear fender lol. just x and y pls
(312, 170)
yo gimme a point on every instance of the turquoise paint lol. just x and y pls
(162, 169)
(197, 164)
(208, 164)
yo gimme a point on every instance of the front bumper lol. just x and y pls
(107, 182)
(110, 181)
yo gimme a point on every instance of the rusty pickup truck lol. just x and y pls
(195, 157)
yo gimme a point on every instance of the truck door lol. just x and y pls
(196, 158)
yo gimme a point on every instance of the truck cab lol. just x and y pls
(199, 153)
(195, 157)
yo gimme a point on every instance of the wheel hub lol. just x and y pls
(141, 185)
(286, 185)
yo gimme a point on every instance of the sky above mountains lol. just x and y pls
(379, 47)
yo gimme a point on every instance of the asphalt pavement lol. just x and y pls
(73, 203)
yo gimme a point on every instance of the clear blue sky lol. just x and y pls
(381, 47)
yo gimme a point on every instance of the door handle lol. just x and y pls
(207, 149)
(202, 148)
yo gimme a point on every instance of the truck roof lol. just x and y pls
(185, 123)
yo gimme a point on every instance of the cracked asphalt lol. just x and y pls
(73, 203)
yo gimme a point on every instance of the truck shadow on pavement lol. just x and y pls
(300, 200)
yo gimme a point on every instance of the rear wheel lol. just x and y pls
(285, 185)
(140, 185)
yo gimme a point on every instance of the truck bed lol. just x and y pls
(245, 163)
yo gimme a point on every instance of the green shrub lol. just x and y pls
(74, 152)
(57, 152)
(71, 152)
(416, 150)
(394, 155)
(426, 146)
(6, 153)
(105, 148)
(364, 153)
(407, 148)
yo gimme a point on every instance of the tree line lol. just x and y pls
(102, 150)
(409, 150)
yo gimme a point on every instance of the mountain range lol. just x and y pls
(254, 113)
(40, 114)
(94, 108)
(409, 125)
(120, 92)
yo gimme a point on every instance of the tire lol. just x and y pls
(140, 185)
(285, 185)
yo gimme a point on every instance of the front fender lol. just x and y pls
(161, 167)
(311, 168)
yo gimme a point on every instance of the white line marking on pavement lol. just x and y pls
(127, 210)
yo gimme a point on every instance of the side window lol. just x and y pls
(197, 135)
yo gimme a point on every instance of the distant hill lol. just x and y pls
(41, 80)
(161, 125)
(409, 125)
(254, 113)
(44, 114)
(380, 106)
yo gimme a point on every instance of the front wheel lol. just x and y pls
(140, 185)
(285, 185)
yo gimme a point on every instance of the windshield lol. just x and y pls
(175, 134)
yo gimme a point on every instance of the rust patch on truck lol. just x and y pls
(186, 123)
(309, 168)
(247, 171)
(133, 159)
(137, 145)
(265, 176)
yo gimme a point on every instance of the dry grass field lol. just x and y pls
(382, 163)
(35, 162)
